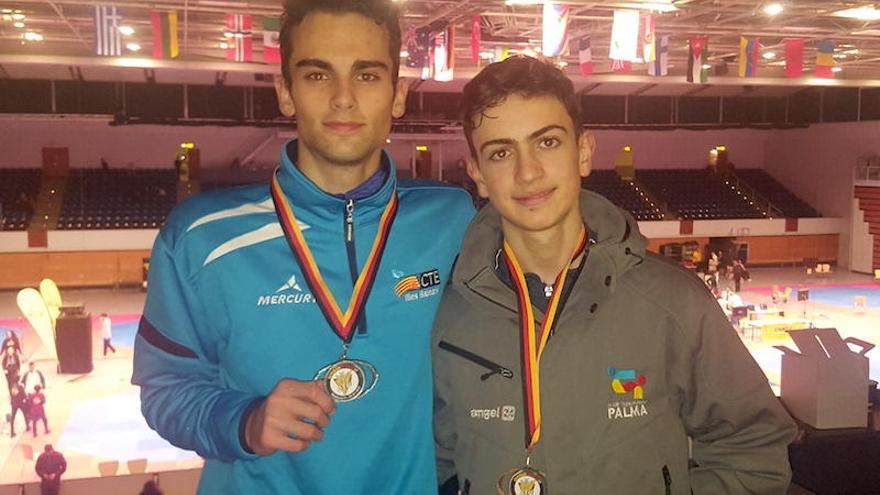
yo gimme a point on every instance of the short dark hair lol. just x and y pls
(383, 12)
(517, 75)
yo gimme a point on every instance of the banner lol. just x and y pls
(555, 29)
(585, 56)
(165, 43)
(660, 65)
(240, 38)
(698, 58)
(271, 40)
(794, 58)
(624, 35)
(108, 40)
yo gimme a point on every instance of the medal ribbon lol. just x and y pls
(343, 324)
(532, 344)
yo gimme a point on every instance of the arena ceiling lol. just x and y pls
(68, 36)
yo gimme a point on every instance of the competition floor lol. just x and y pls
(96, 417)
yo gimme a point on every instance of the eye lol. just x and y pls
(549, 142)
(317, 76)
(367, 77)
(499, 155)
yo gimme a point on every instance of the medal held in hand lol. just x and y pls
(346, 379)
(528, 480)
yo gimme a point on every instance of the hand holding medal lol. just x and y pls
(528, 480)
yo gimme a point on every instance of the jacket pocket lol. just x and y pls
(494, 368)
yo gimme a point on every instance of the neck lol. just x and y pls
(547, 252)
(336, 178)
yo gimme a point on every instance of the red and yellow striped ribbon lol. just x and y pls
(343, 324)
(532, 344)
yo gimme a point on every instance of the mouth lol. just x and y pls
(535, 198)
(341, 127)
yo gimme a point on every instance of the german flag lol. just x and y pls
(164, 34)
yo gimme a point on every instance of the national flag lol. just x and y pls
(555, 33)
(794, 57)
(585, 56)
(108, 41)
(271, 39)
(825, 59)
(660, 65)
(649, 39)
(749, 53)
(418, 48)
(164, 34)
(621, 66)
(698, 56)
(476, 38)
(624, 35)
(239, 37)
(443, 57)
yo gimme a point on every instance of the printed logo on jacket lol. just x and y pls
(630, 386)
(288, 293)
(417, 286)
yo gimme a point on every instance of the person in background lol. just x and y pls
(11, 366)
(150, 488)
(740, 273)
(18, 402)
(37, 410)
(11, 340)
(107, 333)
(31, 378)
(50, 466)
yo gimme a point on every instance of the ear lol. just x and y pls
(586, 150)
(473, 171)
(285, 99)
(398, 106)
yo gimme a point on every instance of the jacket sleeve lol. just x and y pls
(176, 367)
(445, 433)
(740, 430)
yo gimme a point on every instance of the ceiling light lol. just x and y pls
(773, 9)
(224, 45)
(126, 30)
(32, 36)
(229, 34)
(836, 69)
(866, 13)
(656, 5)
(133, 47)
(769, 55)
(18, 17)
(19, 25)
(6, 11)
(707, 66)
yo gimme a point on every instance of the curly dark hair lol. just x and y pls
(518, 75)
(384, 12)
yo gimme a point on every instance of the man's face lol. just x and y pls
(341, 90)
(529, 162)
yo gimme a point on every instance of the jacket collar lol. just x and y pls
(619, 246)
(302, 192)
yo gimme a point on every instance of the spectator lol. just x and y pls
(18, 401)
(50, 466)
(11, 340)
(37, 410)
(150, 488)
(11, 366)
(107, 333)
(739, 273)
(31, 378)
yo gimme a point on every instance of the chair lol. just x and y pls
(108, 468)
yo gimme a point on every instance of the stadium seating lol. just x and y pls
(19, 188)
(622, 193)
(699, 194)
(790, 205)
(117, 199)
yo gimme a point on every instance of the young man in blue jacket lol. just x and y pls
(285, 336)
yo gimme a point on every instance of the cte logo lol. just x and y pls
(417, 282)
(626, 381)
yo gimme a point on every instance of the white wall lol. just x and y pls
(817, 164)
(743, 227)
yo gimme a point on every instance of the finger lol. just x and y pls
(309, 411)
(284, 442)
(305, 431)
(320, 396)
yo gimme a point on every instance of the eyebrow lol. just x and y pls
(530, 137)
(358, 65)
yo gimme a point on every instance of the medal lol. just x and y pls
(346, 379)
(528, 480)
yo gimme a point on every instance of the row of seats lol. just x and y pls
(699, 194)
(19, 188)
(790, 205)
(624, 194)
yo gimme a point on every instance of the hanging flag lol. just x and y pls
(649, 38)
(418, 48)
(555, 29)
(108, 41)
(239, 37)
(660, 65)
(825, 59)
(698, 57)
(749, 53)
(621, 66)
(476, 38)
(794, 58)
(164, 34)
(271, 39)
(624, 35)
(585, 56)
(443, 56)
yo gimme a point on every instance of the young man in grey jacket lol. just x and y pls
(568, 360)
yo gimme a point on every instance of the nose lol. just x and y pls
(343, 95)
(528, 168)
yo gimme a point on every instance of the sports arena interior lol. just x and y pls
(770, 156)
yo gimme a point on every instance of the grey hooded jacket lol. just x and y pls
(631, 317)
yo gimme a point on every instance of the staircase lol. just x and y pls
(869, 202)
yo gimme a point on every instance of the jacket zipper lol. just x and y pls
(494, 369)
(667, 480)
(348, 226)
